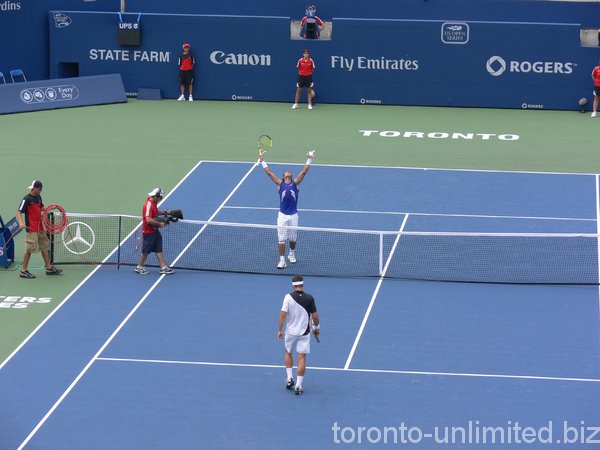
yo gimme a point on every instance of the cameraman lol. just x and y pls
(151, 237)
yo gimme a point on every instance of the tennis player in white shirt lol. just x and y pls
(300, 311)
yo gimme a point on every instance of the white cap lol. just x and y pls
(156, 192)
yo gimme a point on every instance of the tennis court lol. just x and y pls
(192, 361)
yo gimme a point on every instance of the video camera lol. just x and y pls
(170, 215)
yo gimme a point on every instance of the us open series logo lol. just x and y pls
(455, 33)
(61, 20)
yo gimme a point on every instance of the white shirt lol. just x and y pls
(298, 306)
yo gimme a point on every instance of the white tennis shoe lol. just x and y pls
(141, 270)
(191, 98)
(309, 106)
(282, 264)
(292, 258)
(594, 114)
(295, 106)
(181, 98)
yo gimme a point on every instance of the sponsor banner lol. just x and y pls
(242, 97)
(61, 20)
(497, 66)
(152, 56)
(398, 62)
(42, 94)
(455, 33)
(239, 59)
(61, 93)
(28, 37)
(350, 63)
(16, 302)
(78, 238)
(9, 6)
(458, 135)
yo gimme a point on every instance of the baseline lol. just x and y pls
(346, 369)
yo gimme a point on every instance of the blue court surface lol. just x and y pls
(191, 361)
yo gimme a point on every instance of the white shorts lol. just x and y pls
(283, 220)
(299, 343)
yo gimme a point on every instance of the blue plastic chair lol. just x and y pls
(15, 73)
(3, 79)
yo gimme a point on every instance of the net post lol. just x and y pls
(380, 254)
(51, 236)
(119, 243)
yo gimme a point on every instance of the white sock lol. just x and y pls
(288, 371)
(299, 381)
(292, 252)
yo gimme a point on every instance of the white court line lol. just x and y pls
(531, 172)
(68, 297)
(395, 213)
(340, 369)
(125, 320)
(598, 232)
(143, 299)
(374, 296)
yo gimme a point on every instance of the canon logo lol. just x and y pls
(239, 59)
(496, 66)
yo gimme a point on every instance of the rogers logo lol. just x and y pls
(496, 66)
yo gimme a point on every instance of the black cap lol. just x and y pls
(35, 184)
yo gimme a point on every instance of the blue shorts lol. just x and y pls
(152, 242)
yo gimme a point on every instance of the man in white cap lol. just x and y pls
(300, 311)
(151, 237)
(32, 208)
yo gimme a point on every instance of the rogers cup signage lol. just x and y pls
(497, 65)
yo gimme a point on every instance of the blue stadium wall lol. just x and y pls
(393, 61)
(545, 66)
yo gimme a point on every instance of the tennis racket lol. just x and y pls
(264, 144)
(312, 330)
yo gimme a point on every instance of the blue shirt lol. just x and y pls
(288, 198)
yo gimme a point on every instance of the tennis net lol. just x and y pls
(527, 258)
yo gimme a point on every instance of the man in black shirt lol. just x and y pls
(186, 73)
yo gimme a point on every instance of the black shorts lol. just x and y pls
(186, 77)
(597, 91)
(304, 81)
(152, 242)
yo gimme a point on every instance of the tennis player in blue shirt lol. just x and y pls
(288, 203)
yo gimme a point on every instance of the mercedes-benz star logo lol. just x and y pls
(78, 238)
